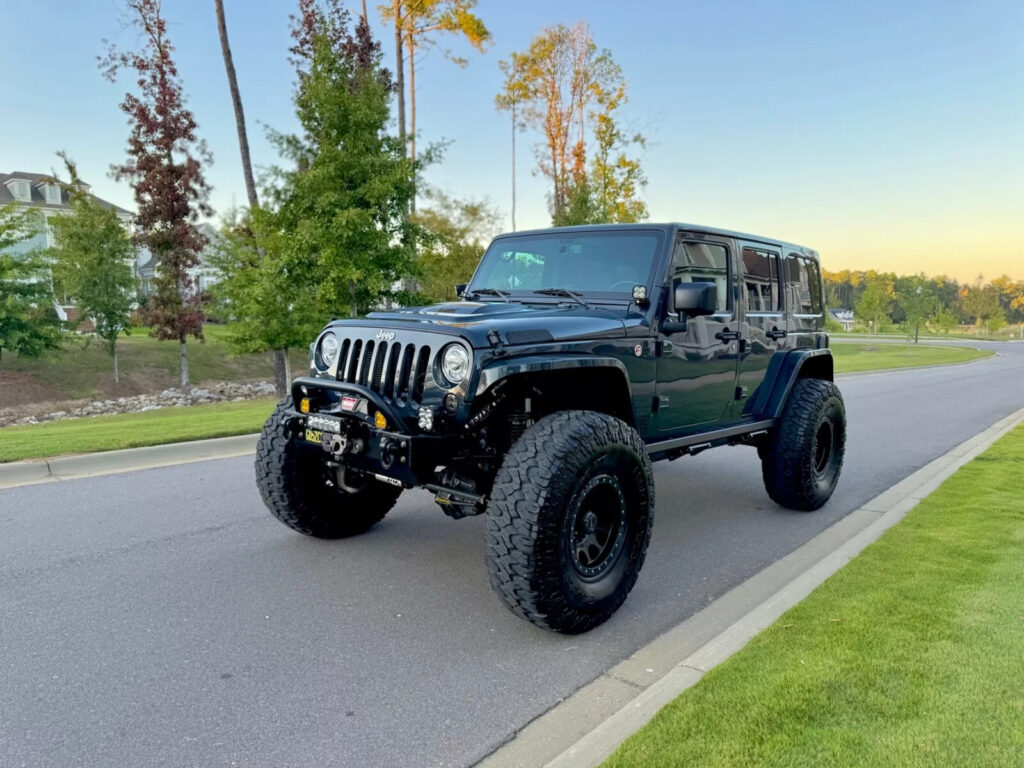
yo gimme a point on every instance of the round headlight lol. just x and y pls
(329, 349)
(455, 363)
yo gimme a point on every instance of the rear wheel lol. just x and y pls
(300, 490)
(803, 454)
(569, 520)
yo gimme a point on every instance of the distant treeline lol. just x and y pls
(885, 298)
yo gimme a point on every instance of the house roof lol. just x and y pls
(38, 199)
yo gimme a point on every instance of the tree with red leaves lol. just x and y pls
(164, 167)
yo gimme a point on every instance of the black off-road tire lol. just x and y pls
(803, 454)
(565, 468)
(295, 486)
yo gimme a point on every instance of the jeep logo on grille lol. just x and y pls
(385, 335)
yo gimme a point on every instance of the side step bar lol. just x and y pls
(702, 440)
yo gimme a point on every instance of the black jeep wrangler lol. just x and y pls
(576, 357)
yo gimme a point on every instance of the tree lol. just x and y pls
(270, 312)
(28, 320)
(92, 260)
(916, 300)
(554, 84)
(1011, 297)
(945, 320)
(981, 302)
(164, 166)
(415, 22)
(608, 193)
(281, 367)
(339, 214)
(459, 232)
(874, 301)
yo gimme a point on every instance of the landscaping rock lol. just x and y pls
(213, 392)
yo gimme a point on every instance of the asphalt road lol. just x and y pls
(163, 618)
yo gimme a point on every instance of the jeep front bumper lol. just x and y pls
(354, 426)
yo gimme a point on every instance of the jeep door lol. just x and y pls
(802, 298)
(764, 325)
(696, 374)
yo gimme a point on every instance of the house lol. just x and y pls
(203, 273)
(41, 191)
(46, 194)
(844, 317)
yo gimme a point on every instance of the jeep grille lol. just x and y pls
(395, 370)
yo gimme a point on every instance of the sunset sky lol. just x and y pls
(887, 135)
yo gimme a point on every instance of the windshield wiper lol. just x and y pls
(562, 293)
(489, 292)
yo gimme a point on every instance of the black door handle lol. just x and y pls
(725, 336)
(775, 334)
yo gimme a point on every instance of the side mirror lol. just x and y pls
(694, 299)
(460, 288)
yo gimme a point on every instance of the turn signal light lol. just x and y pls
(304, 405)
(380, 421)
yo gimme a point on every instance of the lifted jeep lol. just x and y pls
(576, 357)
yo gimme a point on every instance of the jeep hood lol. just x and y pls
(516, 323)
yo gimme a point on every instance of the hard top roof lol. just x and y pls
(667, 227)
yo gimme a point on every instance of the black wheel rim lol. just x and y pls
(597, 530)
(824, 440)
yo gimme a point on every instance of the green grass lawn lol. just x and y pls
(852, 357)
(912, 655)
(131, 430)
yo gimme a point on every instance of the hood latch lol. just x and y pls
(495, 339)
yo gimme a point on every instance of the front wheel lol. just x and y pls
(300, 492)
(803, 454)
(569, 520)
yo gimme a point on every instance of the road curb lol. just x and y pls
(31, 472)
(585, 728)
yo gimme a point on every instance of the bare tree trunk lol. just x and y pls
(399, 68)
(287, 367)
(117, 378)
(185, 385)
(366, 19)
(513, 166)
(354, 306)
(281, 374)
(411, 42)
(236, 102)
(411, 46)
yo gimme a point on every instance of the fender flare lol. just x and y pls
(502, 369)
(783, 372)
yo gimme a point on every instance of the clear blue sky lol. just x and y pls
(885, 134)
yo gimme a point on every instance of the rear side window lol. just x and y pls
(704, 263)
(761, 280)
(803, 289)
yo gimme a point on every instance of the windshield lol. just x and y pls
(599, 264)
